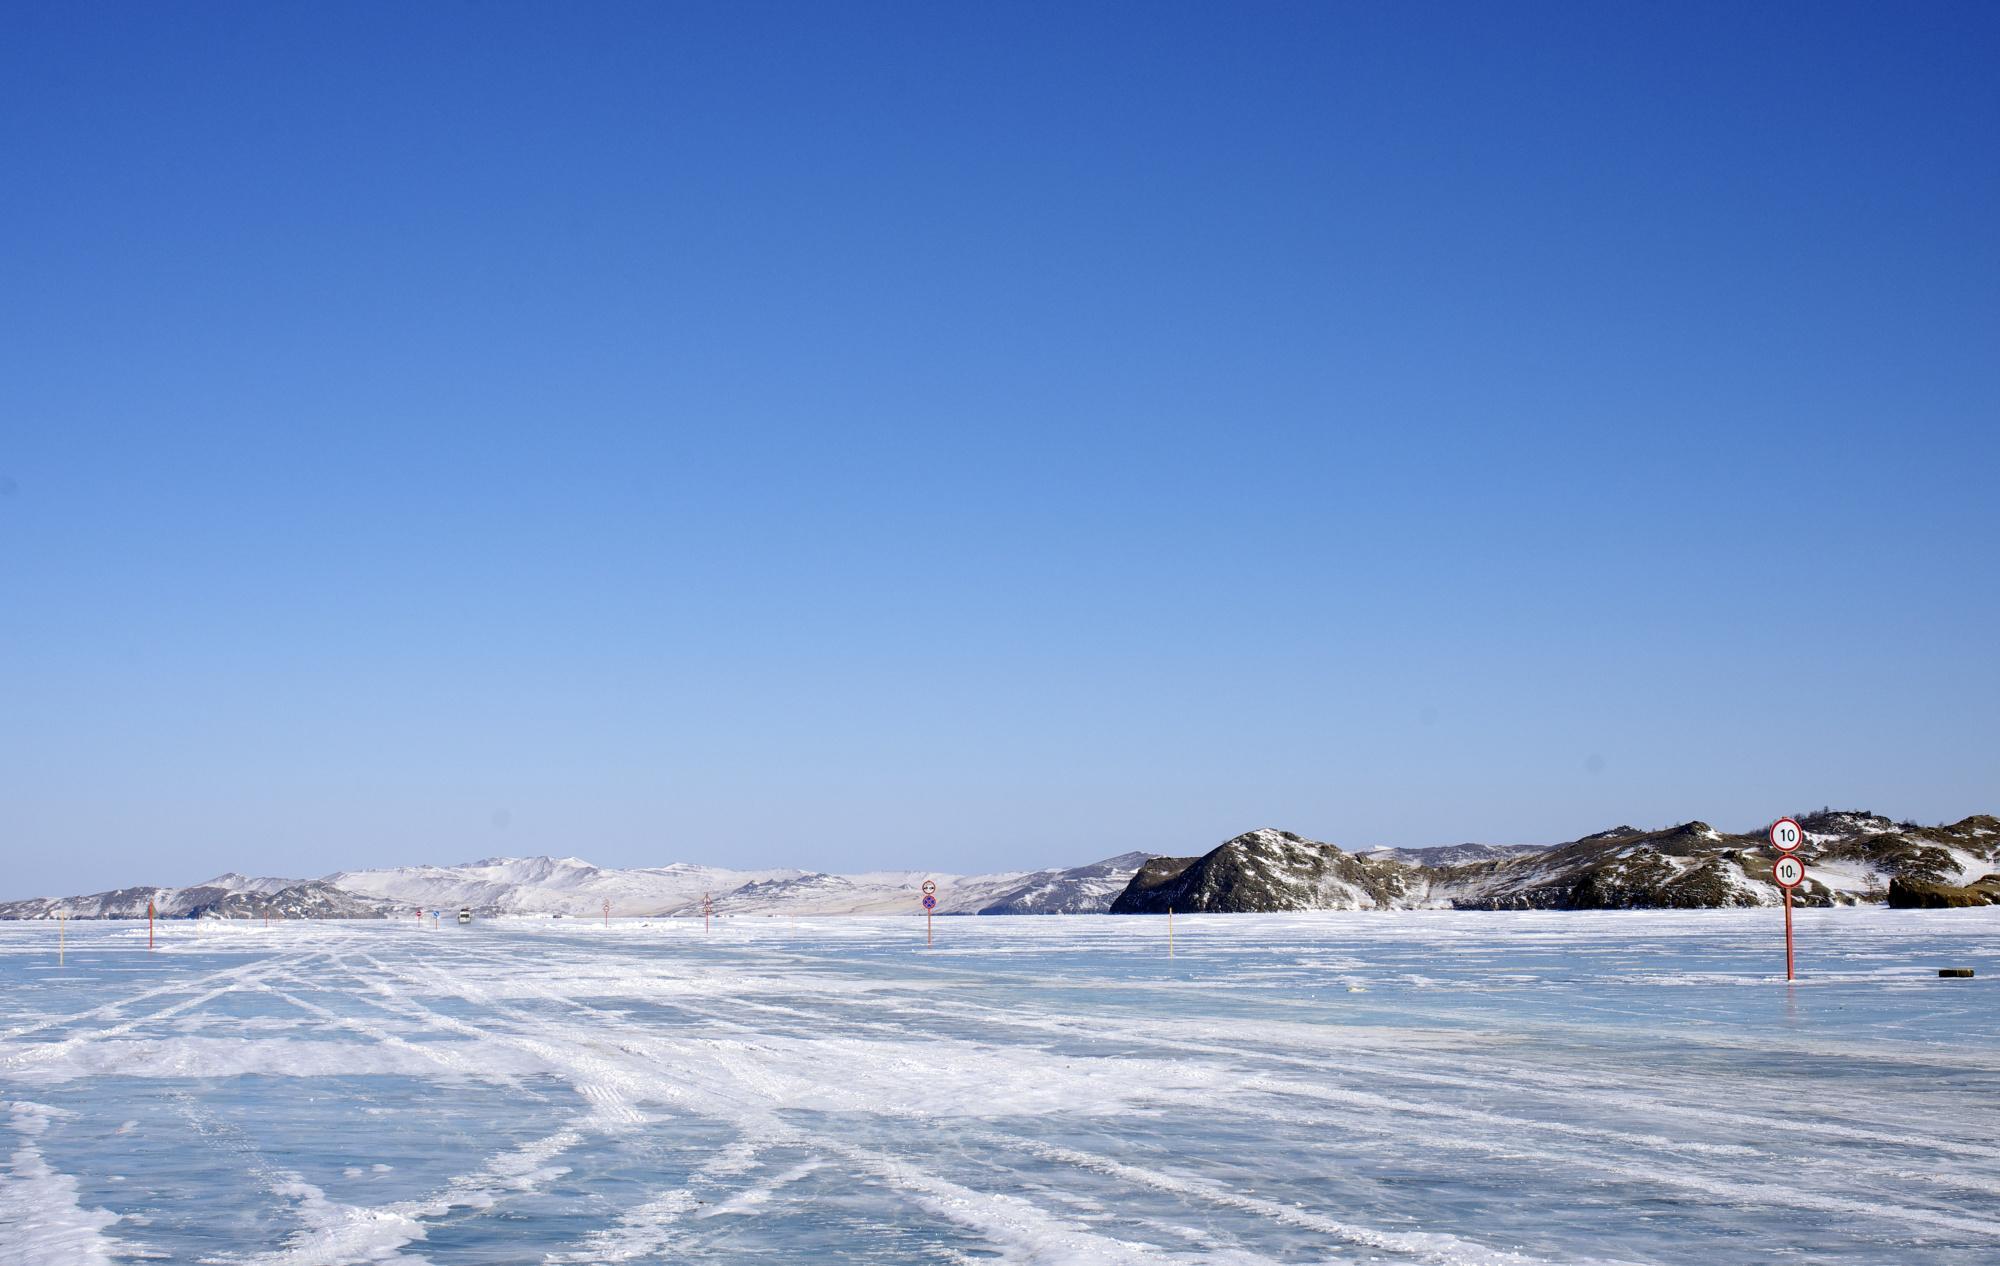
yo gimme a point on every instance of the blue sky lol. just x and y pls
(972, 436)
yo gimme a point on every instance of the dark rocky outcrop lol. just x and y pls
(314, 899)
(1265, 870)
(1689, 866)
(1686, 867)
(1917, 894)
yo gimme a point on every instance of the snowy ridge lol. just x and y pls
(572, 887)
(551, 885)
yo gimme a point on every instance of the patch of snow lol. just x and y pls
(42, 1218)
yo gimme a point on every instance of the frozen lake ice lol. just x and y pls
(1398, 1088)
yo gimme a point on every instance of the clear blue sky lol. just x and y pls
(967, 436)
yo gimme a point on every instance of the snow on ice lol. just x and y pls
(1420, 1087)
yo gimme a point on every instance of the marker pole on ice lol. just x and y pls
(1170, 931)
(1791, 973)
(149, 925)
(1788, 873)
(930, 905)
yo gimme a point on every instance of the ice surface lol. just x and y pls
(1421, 1087)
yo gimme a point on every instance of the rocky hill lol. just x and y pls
(1267, 870)
(1851, 857)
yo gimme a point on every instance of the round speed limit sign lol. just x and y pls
(1786, 835)
(1790, 872)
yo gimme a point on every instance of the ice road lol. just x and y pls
(1446, 1088)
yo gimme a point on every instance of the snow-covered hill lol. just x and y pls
(571, 886)
(574, 887)
(552, 885)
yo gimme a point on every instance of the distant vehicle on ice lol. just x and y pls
(465, 914)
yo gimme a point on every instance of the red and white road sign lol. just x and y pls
(1790, 872)
(929, 887)
(1786, 835)
(930, 902)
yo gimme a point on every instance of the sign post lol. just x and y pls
(607, 912)
(1788, 873)
(62, 937)
(707, 908)
(149, 925)
(930, 905)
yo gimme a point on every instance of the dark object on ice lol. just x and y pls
(465, 914)
(1956, 973)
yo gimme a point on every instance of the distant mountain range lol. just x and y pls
(570, 886)
(1851, 858)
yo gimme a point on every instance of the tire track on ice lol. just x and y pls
(1595, 1158)
(1509, 1079)
(106, 1010)
(1007, 1221)
(1011, 1221)
(1785, 1168)
(45, 1052)
(336, 1234)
